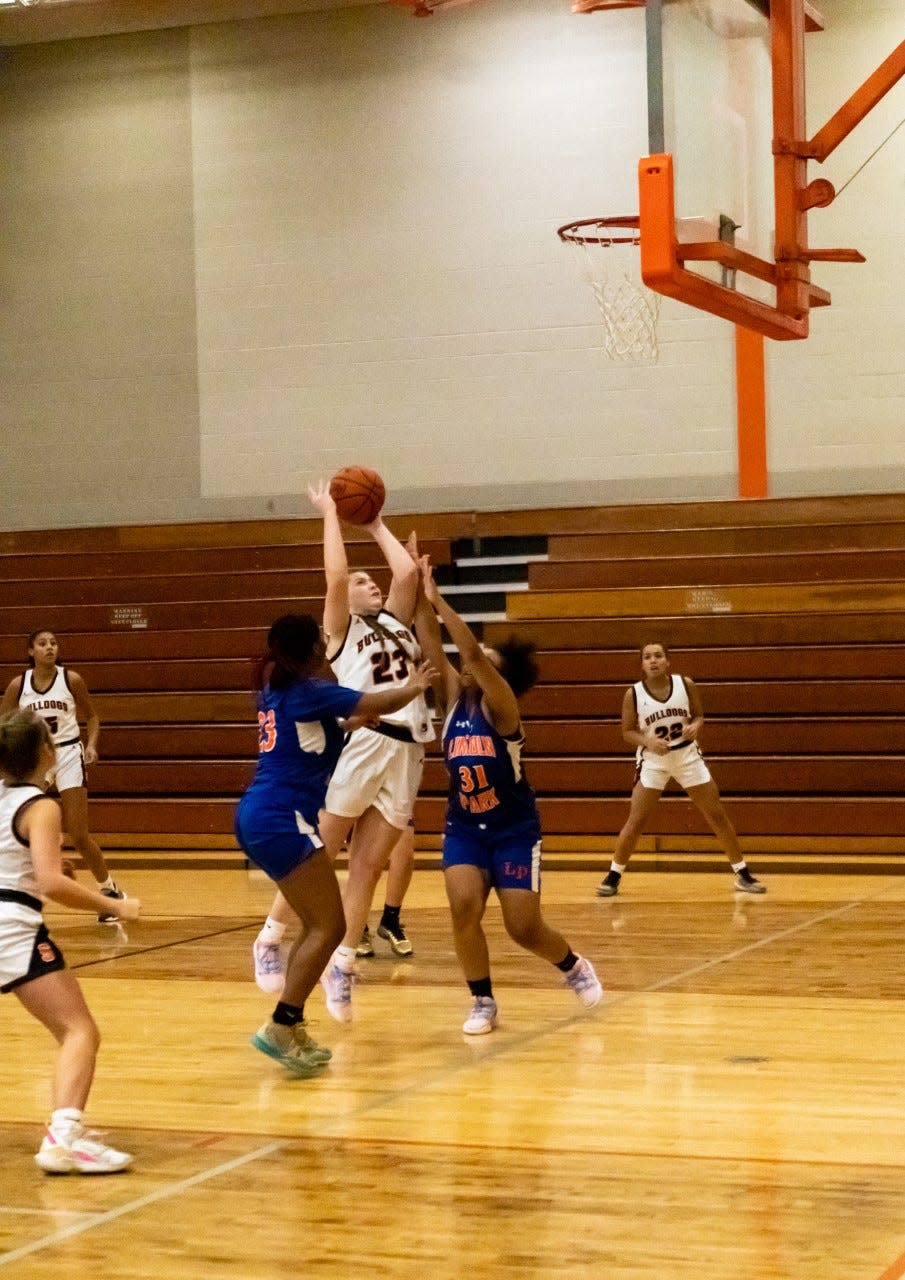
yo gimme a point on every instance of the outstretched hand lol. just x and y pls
(423, 676)
(320, 497)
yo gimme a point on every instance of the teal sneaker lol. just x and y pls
(292, 1047)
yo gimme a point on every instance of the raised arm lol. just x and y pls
(427, 629)
(336, 564)
(403, 592)
(498, 700)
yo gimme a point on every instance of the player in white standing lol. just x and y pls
(60, 697)
(662, 716)
(31, 966)
(370, 646)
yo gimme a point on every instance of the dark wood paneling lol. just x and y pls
(789, 616)
(824, 736)
(732, 539)
(800, 663)
(736, 775)
(781, 698)
(672, 816)
(119, 563)
(683, 631)
(575, 776)
(711, 570)
(157, 676)
(777, 597)
(677, 816)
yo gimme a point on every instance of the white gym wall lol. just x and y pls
(240, 255)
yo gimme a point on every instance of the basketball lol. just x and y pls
(358, 493)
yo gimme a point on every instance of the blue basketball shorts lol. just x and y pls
(508, 859)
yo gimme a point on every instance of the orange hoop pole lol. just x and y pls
(751, 402)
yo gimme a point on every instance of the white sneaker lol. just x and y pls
(79, 1152)
(585, 983)
(483, 1017)
(337, 986)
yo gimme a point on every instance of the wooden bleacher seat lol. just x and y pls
(788, 614)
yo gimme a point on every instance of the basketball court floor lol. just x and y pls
(733, 1109)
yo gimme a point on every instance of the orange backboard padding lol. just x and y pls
(662, 269)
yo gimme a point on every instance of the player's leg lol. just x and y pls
(312, 891)
(268, 950)
(74, 804)
(515, 873)
(707, 797)
(399, 876)
(373, 839)
(56, 1000)
(467, 887)
(643, 803)
(307, 881)
(369, 849)
(526, 925)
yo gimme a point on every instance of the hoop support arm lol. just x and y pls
(853, 111)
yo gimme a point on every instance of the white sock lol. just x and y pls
(615, 866)
(64, 1120)
(271, 931)
(106, 884)
(344, 958)
(739, 866)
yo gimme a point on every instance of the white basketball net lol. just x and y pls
(629, 309)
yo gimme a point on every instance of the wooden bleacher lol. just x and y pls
(787, 613)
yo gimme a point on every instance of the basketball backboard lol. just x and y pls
(710, 107)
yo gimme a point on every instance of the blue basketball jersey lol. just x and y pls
(487, 784)
(299, 741)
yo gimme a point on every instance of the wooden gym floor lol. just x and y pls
(734, 1111)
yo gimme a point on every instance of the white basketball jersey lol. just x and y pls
(16, 870)
(666, 719)
(56, 706)
(375, 657)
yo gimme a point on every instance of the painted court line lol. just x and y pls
(754, 946)
(164, 1193)
(336, 1125)
(895, 1271)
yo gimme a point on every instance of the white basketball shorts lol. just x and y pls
(686, 765)
(379, 771)
(69, 770)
